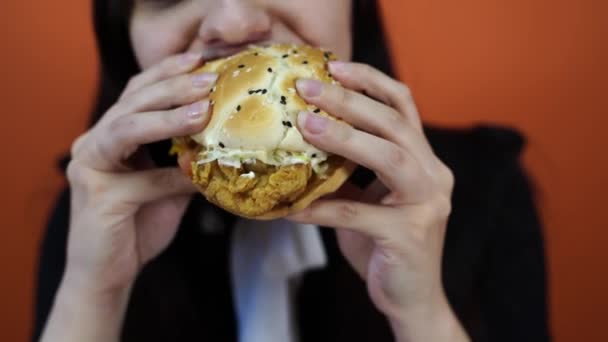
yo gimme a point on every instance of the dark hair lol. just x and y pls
(118, 62)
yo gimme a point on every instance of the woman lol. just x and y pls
(148, 261)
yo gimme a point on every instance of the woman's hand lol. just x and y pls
(392, 233)
(124, 211)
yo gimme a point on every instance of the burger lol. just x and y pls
(251, 158)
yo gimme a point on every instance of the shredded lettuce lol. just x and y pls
(235, 158)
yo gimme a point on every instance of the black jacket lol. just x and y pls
(494, 267)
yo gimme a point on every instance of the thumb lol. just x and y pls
(157, 224)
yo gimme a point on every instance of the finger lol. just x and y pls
(168, 68)
(157, 223)
(357, 109)
(360, 217)
(394, 165)
(364, 78)
(111, 145)
(151, 185)
(170, 93)
(357, 248)
(368, 115)
(79, 143)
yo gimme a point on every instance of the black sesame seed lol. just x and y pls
(222, 145)
(241, 66)
(295, 51)
(238, 108)
(287, 124)
(317, 110)
(255, 54)
(251, 92)
(314, 155)
(285, 55)
(264, 91)
(283, 100)
(305, 62)
(327, 55)
(269, 69)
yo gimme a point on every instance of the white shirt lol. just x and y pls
(266, 258)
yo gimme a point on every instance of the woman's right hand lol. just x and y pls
(124, 211)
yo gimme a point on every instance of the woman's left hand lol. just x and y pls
(392, 232)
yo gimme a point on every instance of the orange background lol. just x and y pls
(537, 65)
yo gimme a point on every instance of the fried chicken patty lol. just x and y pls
(252, 196)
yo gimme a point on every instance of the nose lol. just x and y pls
(234, 22)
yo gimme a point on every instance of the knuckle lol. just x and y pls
(347, 98)
(107, 146)
(347, 212)
(395, 123)
(433, 213)
(96, 185)
(112, 111)
(396, 158)
(173, 121)
(338, 132)
(126, 104)
(132, 84)
(74, 173)
(120, 129)
(181, 83)
(82, 178)
(173, 89)
(167, 66)
(447, 177)
(161, 71)
(77, 144)
(165, 180)
(403, 89)
(442, 206)
(367, 70)
(178, 119)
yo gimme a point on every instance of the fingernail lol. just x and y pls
(337, 67)
(190, 57)
(309, 88)
(312, 123)
(197, 109)
(203, 80)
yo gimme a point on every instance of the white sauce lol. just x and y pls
(249, 175)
